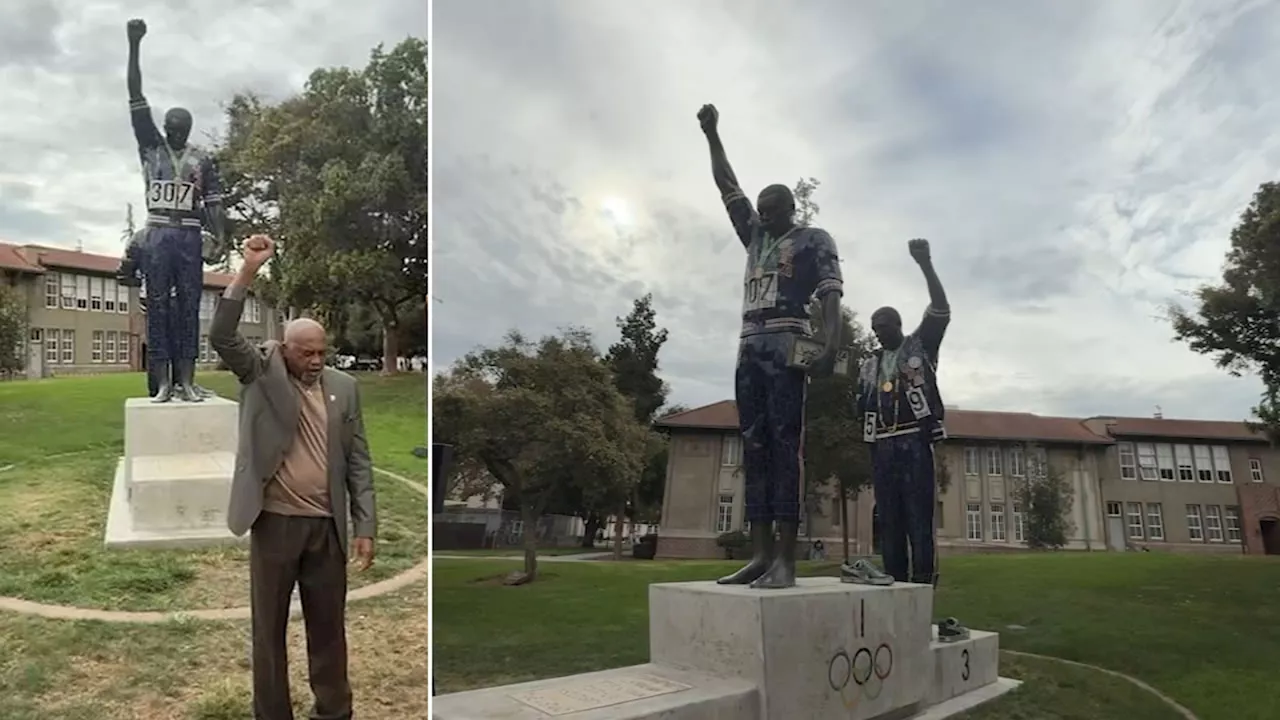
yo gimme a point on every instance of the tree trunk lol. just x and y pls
(390, 348)
(529, 518)
(590, 530)
(844, 522)
(618, 520)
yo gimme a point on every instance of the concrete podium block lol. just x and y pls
(173, 485)
(181, 492)
(821, 649)
(640, 692)
(963, 666)
(178, 428)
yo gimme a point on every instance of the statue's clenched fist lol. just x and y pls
(708, 118)
(136, 28)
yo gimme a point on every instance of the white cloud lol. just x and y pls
(1076, 168)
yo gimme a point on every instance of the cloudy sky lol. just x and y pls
(68, 161)
(1075, 165)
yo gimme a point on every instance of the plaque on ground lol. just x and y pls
(589, 695)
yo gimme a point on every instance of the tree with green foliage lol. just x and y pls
(13, 329)
(833, 447)
(541, 417)
(1237, 320)
(338, 174)
(1046, 499)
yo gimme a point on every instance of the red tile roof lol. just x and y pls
(38, 258)
(968, 424)
(11, 258)
(1174, 428)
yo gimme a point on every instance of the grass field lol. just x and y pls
(60, 439)
(1203, 630)
(518, 552)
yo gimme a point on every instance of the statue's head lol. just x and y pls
(177, 127)
(777, 208)
(886, 323)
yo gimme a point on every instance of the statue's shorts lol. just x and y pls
(906, 495)
(771, 397)
(174, 273)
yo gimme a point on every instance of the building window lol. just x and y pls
(1194, 530)
(973, 521)
(835, 510)
(68, 347)
(95, 293)
(971, 461)
(724, 514)
(731, 451)
(1155, 521)
(1255, 469)
(993, 461)
(96, 347)
(1222, 464)
(1164, 461)
(110, 355)
(1134, 520)
(122, 348)
(252, 311)
(1128, 462)
(1233, 523)
(82, 292)
(37, 334)
(204, 348)
(51, 290)
(997, 522)
(51, 346)
(1186, 471)
(1213, 522)
(1017, 522)
(1147, 461)
(122, 299)
(1204, 464)
(1113, 509)
(68, 291)
(939, 515)
(1017, 464)
(206, 305)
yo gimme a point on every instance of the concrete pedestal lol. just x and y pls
(822, 649)
(173, 484)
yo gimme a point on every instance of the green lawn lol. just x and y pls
(1204, 630)
(519, 552)
(40, 418)
(56, 498)
(62, 437)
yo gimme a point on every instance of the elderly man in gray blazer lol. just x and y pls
(301, 464)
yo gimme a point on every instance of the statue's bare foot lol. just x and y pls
(781, 574)
(164, 394)
(748, 574)
(188, 394)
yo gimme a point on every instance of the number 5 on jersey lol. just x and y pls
(170, 195)
(760, 292)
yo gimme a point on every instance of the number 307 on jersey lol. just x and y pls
(760, 292)
(170, 195)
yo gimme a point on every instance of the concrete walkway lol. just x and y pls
(66, 612)
(541, 558)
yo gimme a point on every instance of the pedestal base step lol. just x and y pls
(180, 492)
(962, 666)
(123, 530)
(640, 692)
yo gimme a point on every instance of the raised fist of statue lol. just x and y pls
(919, 249)
(136, 28)
(708, 118)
